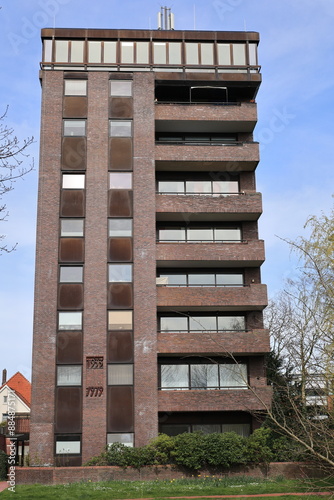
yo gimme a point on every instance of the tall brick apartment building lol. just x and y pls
(148, 308)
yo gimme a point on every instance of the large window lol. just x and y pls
(120, 180)
(120, 227)
(198, 376)
(120, 320)
(120, 273)
(120, 88)
(70, 320)
(73, 181)
(71, 274)
(126, 438)
(68, 444)
(120, 128)
(197, 323)
(120, 374)
(175, 429)
(198, 187)
(71, 227)
(199, 234)
(75, 128)
(200, 279)
(68, 375)
(75, 87)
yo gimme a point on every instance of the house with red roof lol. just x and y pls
(15, 401)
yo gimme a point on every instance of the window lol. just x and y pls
(70, 320)
(120, 128)
(192, 53)
(201, 376)
(71, 274)
(47, 51)
(127, 52)
(120, 227)
(75, 87)
(199, 234)
(68, 375)
(71, 227)
(5, 399)
(200, 279)
(200, 323)
(68, 444)
(75, 128)
(120, 320)
(120, 180)
(110, 52)
(120, 374)
(124, 438)
(174, 376)
(199, 187)
(120, 88)
(120, 273)
(77, 51)
(175, 429)
(61, 51)
(73, 181)
(159, 53)
(94, 52)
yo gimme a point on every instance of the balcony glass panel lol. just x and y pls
(200, 234)
(177, 234)
(173, 324)
(230, 279)
(233, 375)
(174, 377)
(231, 323)
(204, 376)
(195, 187)
(227, 234)
(201, 279)
(203, 323)
(171, 187)
(225, 187)
(175, 279)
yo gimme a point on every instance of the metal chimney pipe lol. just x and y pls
(4, 376)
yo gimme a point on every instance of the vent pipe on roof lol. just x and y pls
(165, 19)
(4, 376)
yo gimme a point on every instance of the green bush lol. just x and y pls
(162, 447)
(189, 450)
(258, 446)
(3, 465)
(225, 449)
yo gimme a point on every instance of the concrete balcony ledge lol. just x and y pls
(241, 115)
(212, 343)
(252, 297)
(241, 156)
(253, 399)
(243, 254)
(242, 206)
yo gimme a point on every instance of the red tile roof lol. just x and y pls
(21, 386)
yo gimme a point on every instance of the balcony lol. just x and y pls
(239, 254)
(253, 399)
(247, 343)
(232, 116)
(207, 156)
(227, 298)
(209, 207)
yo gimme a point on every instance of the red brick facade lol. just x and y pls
(97, 340)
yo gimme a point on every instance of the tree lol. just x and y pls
(13, 153)
(300, 320)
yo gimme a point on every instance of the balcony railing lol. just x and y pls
(210, 193)
(201, 241)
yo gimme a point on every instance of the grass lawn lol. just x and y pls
(163, 489)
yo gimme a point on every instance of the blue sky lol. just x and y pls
(295, 127)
